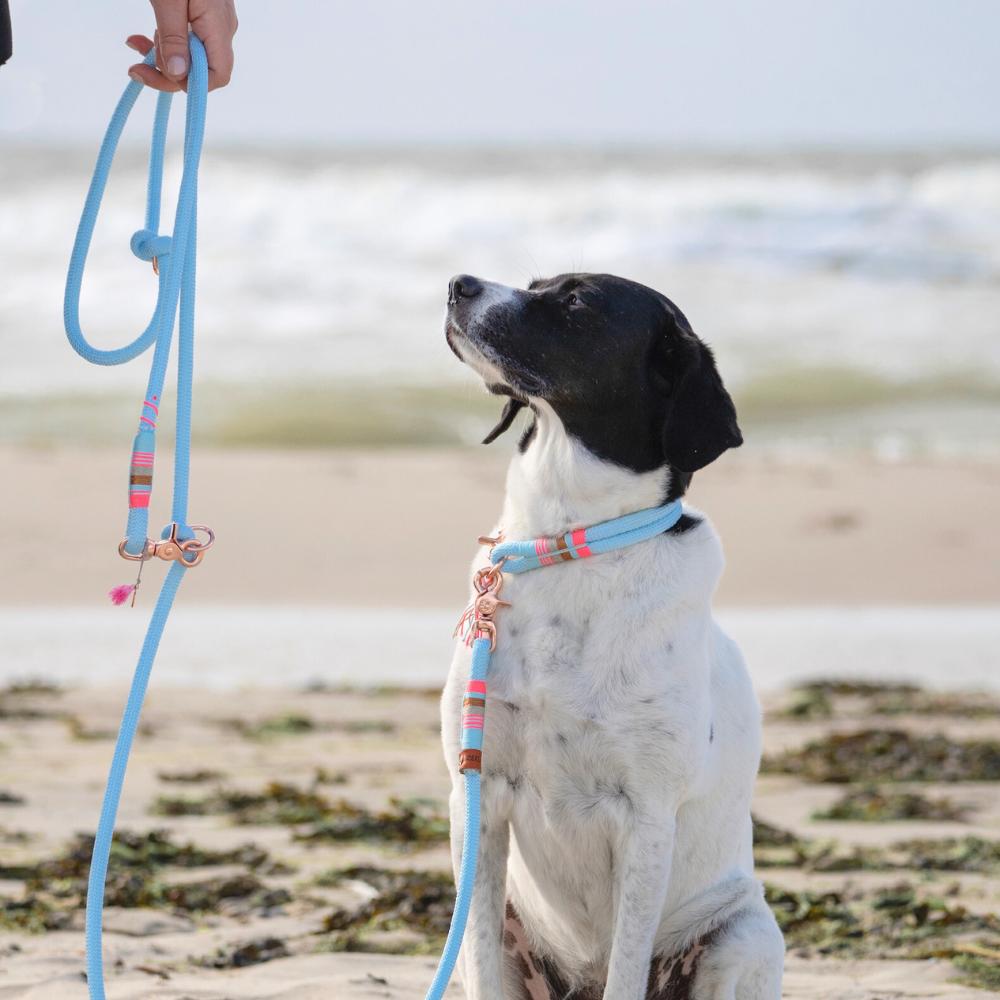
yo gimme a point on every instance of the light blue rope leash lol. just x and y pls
(517, 557)
(176, 287)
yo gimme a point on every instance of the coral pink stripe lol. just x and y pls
(473, 722)
(152, 423)
(152, 406)
(580, 543)
(138, 499)
(541, 547)
(143, 454)
(477, 686)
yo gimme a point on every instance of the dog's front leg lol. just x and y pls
(643, 863)
(481, 958)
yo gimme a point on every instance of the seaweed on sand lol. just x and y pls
(768, 835)
(296, 724)
(889, 755)
(405, 821)
(32, 914)
(822, 699)
(13, 695)
(847, 687)
(777, 848)
(871, 804)
(894, 922)
(195, 776)
(131, 851)
(409, 900)
(951, 854)
(55, 887)
(255, 952)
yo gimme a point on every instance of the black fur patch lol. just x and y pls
(619, 364)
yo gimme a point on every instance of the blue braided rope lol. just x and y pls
(116, 779)
(175, 294)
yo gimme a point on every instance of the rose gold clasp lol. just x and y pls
(189, 551)
(489, 579)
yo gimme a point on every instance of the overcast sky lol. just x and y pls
(730, 73)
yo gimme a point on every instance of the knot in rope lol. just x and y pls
(146, 245)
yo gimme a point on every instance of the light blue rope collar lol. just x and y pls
(619, 532)
(516, 557)
(175, 257)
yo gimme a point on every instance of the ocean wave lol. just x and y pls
(334, 265)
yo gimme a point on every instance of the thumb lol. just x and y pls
(172, 37)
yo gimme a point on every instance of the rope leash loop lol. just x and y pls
(175, 298)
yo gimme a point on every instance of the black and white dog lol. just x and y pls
(623, 734)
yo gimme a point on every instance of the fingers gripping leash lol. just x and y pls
(183, 545)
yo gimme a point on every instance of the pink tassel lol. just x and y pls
(120, 594)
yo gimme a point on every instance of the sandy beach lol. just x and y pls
(289, 839)
(293, 844)
(335, 526)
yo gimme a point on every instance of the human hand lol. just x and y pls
(213, 21)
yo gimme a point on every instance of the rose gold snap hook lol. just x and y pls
(489, 579)
(193, 545)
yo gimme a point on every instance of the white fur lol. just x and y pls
(610, 819)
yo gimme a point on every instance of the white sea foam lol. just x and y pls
(334, 265)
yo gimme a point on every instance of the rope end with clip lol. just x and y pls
(188, 551)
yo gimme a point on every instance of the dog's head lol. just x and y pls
(617, 362)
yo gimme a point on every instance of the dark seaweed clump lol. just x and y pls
(196, 776)
(871, 804)
(296, 724)
(823, 699)
(254, 952)
(777, 848)
(13, 696)
(405, 821)
(889, 755)
(55, 887)
(951, 854)
(411, 900)
(895, 922)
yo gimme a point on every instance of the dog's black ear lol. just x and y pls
(700, 420)
(512, 408)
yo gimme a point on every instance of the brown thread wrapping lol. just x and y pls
(470, 760)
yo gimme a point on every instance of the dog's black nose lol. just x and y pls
(463, 286)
